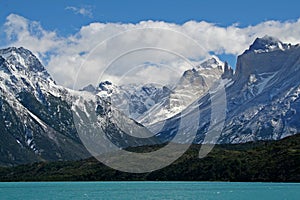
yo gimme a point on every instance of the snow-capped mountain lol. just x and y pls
(39, 120)
(151, 103)
(267, 44)
(262, 98)
(192, 85)
(131, 99)
(267, 105)
(37, 116)
(34, 120)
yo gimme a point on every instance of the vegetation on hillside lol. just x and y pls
(255, 161)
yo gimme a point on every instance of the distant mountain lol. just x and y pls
(133, 100)
(262, 98)
(193, 84)
(152, 103)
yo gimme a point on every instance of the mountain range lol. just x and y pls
(39, 119)
(262, 97)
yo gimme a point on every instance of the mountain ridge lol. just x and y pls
(37, 115)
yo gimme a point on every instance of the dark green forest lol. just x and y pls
(271, 161)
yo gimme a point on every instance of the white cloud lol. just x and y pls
(84, 11)
(98, 44)
(30, 34)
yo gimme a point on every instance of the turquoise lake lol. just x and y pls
(149, 190)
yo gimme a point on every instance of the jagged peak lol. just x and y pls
(267, 44)
(269, 39)
(23, 58)
(89, 88)
(105, 86)
(228, 71)
(11, 50)
(105, 83)
(212, 62)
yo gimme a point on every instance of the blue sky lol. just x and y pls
(49, 27)
(54, 15)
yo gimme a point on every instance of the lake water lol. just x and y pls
(149, 190)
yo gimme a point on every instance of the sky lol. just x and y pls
(77, 39)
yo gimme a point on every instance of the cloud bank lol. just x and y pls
(121, 51)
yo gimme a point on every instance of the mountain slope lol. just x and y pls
(37, 116)
(269, 85)
(193, 84)
(34, 118)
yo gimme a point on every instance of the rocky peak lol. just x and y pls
(89, 88)
(105, 85)
(213, 62)
(228, 72)
(265, 55)
(22, 58)
(267, 44)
